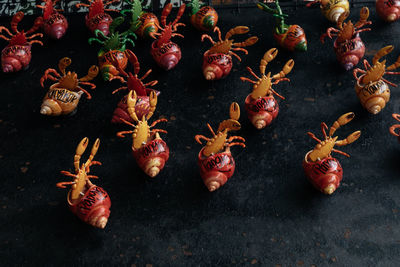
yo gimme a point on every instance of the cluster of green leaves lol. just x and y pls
(136, 10)
(195, 6)
(281, 27)
(116, 40)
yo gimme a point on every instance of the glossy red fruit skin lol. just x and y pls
(216, 65)
(121, 112)
(148, 23)
(55, 26)
(142, 107)
(167, 55)
(350, 52)
(156, 148)
(100, 22)
(95, 202)
(218, 167)
(264, 108)
(388, 10)
(292, 38)
(198, 18)
(108, 70)
(15, 57)
(323, 173)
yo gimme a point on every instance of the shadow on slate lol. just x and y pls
(266, 214)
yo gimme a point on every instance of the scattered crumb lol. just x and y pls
(328, 84)
(309, 99)
(174, 257)
(244, 234)
(24, 169)
(170, 248)
(264, 142)
(347, 234)
(172, 118)
(395, 210)
(300, 263)
(322, 255)
(275, 136)
(56, 125)
(273, 239)
(149, 265)
(188, 147)
(253, 261)
(211, 97)
(27, 163)
(53, 203)
(187, 253)
(333, 259)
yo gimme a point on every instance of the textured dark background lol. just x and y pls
(267, 214)
(10, 7)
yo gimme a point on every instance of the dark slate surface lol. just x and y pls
(267, 214)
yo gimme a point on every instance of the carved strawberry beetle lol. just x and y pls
(97, 18)
(394, 127)
(388, 10)
(166, 53)
(290, 37)
(89, 202)
(63, 97)
(217, 61)
(321, 169)
(348, 46)
(371, 88)
(55, 24)
(17, 54)
(215, 160)
(261, 106)
(331, 9)
(114, 46)
(134, 83)
(202, 18)
(142, 23)
(149, 150)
